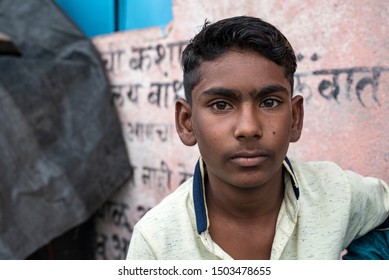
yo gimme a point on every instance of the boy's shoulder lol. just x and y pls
(324, 170)
(171, 207)
(314, 166)
(167, 228)
(317, 170)
(329, 176)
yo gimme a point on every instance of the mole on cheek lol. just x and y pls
(274, 133)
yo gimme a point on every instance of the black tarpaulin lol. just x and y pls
(62, 152)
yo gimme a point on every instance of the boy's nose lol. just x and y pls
(248, 123)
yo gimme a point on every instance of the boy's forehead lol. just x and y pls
(239, 60)
(233, 56)
(241, 70)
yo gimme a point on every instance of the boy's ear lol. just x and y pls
(183, 118)
(297, 118)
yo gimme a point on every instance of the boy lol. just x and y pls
(247, 200)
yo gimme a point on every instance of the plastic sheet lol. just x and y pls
(62, 152)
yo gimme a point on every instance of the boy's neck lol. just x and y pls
(243, 221)
(246, 204)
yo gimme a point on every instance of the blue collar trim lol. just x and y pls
(199, 196)
(293, 179)
(199, 199)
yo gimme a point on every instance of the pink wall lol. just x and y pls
(343, 73)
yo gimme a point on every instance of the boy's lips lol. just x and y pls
(249, 159)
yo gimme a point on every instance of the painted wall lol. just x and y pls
(343, 73)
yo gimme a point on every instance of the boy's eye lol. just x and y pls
(221, 105)
(269, 103)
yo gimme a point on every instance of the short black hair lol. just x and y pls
(241, 32)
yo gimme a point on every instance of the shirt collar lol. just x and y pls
(199, 193)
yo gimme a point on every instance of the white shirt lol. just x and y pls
(323, 210)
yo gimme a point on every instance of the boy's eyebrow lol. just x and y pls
(271, 89)
(231, 93)
(222, 92)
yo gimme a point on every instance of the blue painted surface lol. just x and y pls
(93, 17)
(135, 14)
(98, 17)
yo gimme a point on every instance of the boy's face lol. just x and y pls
(242, 118)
